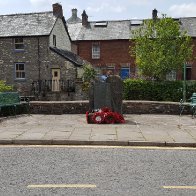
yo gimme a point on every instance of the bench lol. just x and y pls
(191, 104)
(11, 100)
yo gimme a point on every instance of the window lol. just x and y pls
(124, 72)
(171, 76)
(20, 71)
(19, 44)
(188, 70)
(110, 67)
(95, 51)
(54, 40)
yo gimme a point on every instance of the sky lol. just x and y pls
(98, 10)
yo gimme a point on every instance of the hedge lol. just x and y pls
(137, 89)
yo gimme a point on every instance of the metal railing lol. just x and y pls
(53, 86)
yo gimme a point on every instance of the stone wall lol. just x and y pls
(62, 38)
(38, 60)
(58, 107)
(150, 107)
(129, 107)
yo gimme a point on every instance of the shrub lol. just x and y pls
(88, 75)
(137, 89)
(4, 87)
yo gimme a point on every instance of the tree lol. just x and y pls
(160, 46)
(4, 87)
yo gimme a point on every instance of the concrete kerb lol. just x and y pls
(96, 143)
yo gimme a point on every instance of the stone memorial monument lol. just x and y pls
(105, 101)
(107, 93)
(116, 88)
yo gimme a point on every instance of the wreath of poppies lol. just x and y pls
(104, 115)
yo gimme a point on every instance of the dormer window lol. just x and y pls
(101, 24)
(136, 22)
(19, 43)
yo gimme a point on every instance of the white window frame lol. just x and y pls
(19, 43)
(95, 50)
(20, 73)
(171, 76)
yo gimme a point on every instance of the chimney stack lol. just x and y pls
(154, 14)
(74, 13)
(84, 19)
(57, 10)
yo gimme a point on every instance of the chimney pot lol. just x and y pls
(57, 10)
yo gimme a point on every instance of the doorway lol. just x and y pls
(55, 80)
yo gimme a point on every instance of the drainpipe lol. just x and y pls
(39, 66)
(184, 83)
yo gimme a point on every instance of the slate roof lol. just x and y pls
(189, 24)
(116, 30)
(32, 24)
(70, 56)
(113, 30)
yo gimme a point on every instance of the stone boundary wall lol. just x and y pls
(129, 107)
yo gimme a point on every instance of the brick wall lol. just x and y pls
(117, 52)
(111, 52)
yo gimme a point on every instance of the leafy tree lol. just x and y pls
(89, 74)
(160, 46)
(4, 87)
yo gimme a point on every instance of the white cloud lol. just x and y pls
(106, 8)
(183, 10)
(41, 3)
(114, 9)
(95, 8)
(4, 3)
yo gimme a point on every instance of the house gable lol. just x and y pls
(62, 38)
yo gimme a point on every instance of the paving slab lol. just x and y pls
(144, 130)
(56, 135)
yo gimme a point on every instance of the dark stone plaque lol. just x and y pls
(116, 86)
(106, 94)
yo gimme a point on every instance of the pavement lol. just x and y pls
(69, 129)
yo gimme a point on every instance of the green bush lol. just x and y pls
(4, 87)
(137, 89)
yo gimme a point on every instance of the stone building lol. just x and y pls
(36, 57)
(105, 44)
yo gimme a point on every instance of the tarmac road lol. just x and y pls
(97, 170)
